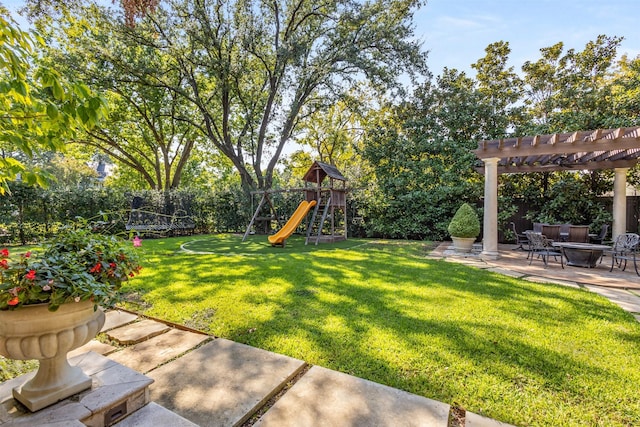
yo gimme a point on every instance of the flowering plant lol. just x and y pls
(77, 265)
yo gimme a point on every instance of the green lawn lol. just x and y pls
(523, 353)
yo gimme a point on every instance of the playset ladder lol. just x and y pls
(322, 220)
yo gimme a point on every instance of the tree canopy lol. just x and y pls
(245, 73)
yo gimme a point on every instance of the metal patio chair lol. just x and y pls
(625, 248)
(521, 238)
(543, 248)
(600, 238)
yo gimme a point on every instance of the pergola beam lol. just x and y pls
(523, 168)
(569, 143)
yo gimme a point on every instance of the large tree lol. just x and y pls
(501, 89)
(251, 70)
(571, 90)
(421, 158)
(149, 132)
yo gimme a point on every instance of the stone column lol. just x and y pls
(490, 223)
(619, 202)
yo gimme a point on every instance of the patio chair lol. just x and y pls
(624, 249)
(578, 233)
(542, 247)
(551, 232)
(521, 239)
(564, 231)
(602, 235)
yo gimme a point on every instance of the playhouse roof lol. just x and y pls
(318, 171)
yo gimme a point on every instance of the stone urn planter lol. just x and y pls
(464, 228)
(463, 244)
(34, 332)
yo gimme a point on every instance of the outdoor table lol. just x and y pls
(581, 254)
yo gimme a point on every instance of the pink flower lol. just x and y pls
(77, 299)
(137, 242)
(46, 288)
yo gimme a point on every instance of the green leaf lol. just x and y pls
(58, 91)
(52, 111)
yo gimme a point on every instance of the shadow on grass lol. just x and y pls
(524, 353)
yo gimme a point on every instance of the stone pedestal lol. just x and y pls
(34, 332)
(116, 392)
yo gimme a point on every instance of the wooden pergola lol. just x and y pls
(617, 149)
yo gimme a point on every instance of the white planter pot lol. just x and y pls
(34, 332)
(463, 244)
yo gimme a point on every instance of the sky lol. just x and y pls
(456, 32)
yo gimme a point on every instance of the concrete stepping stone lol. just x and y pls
(221, 383)
(95, 346)
(117, 318)
(505, 272)
(471, 262)
(626, 300)
(475, 420)
(154, 415)
(137, 332)
(323, 397)
(148, 354)
(540, 279)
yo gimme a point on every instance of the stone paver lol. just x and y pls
(148, 354)
(221, 383)
(471, 262)
(154, 415)
(93, 345)
(137, 332)
(117, 318)
(505, 272)
(475, 420)
(626, 300)
(323, 397)
(540, 279)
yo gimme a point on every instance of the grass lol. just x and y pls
(521, 352)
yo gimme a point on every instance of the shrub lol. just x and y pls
(465, 222)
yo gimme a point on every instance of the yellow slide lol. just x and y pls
(292, 224)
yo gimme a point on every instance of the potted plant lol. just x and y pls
(50, 303)
(464, 228)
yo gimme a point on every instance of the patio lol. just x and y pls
(515, 261)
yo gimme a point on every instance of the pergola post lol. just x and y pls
(619, 202)
(490, 223)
